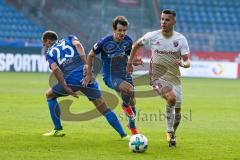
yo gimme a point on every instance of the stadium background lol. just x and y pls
(213, 32)
(211, 27)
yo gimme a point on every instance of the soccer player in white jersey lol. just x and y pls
(169, 51)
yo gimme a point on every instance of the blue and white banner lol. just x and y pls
(23, 62)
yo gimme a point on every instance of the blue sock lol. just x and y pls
(114, 122)
(55, 113)
(134, 110)
(132, 122)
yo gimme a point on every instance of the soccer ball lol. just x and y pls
(138, 143)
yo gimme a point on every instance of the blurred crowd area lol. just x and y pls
(210, 26)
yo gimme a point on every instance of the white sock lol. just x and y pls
(170, 115)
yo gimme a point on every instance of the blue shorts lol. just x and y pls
(92, 91)
(114, 81)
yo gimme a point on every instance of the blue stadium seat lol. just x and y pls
(15, 25)
(219, 20)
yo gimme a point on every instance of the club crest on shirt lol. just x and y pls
(175, 43)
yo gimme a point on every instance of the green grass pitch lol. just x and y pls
(210, 127)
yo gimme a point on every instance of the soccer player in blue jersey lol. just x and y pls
(114, 50)
(67, 60)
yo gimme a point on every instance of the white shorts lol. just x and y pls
(161, 86)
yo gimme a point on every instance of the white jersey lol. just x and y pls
(165, 51)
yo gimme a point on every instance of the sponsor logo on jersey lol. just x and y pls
(164, 52)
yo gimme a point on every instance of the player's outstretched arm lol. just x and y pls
(90, 60)
(135, 47)
(81, 52)
(59, 76)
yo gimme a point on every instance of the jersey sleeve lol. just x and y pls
(146, 39)
(50, 60)
(184, 48)
(97, 48)
(72, 38)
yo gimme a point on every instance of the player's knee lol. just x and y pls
(130, 90)
(126, 88)
(49, 94)
(171, 100)
(100, 105)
